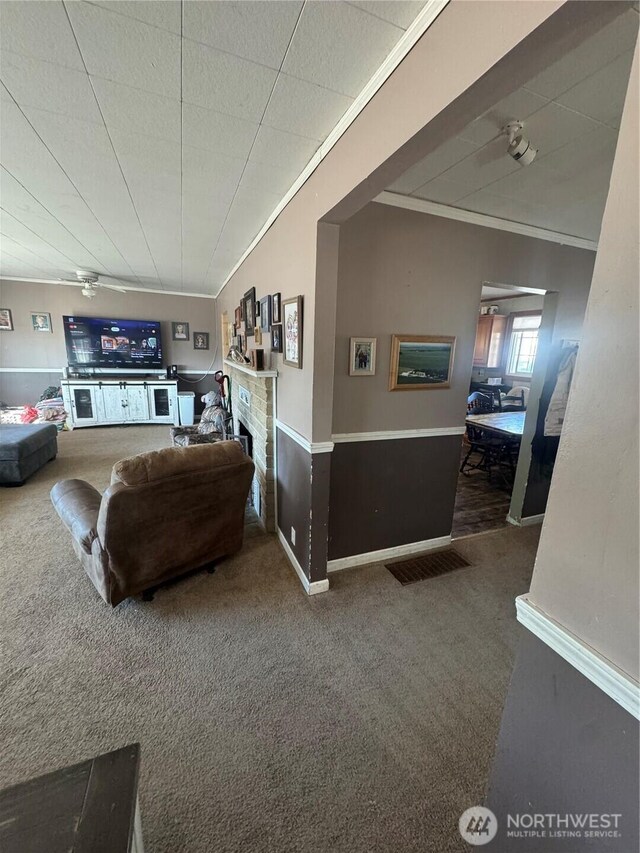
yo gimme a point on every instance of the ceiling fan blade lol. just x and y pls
(112, 287)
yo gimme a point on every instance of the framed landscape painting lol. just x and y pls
(362, 357)
(292, 328)
(421, 362)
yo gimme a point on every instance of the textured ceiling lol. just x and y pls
(571, 113)
(151, 140)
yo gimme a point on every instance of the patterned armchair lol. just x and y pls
(212, 427)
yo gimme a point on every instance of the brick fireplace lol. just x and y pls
(253, 398)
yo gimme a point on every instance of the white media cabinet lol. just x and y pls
(100, 402)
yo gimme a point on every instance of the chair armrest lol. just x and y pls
(183, 430)
(78, 503)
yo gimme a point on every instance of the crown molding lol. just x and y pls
(420, 25)
(125, 287)
(420, 205)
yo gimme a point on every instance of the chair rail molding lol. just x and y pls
(616, 683)
(310, 446)
(390, 435)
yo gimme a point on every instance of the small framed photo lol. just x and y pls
(180, 331)
(421, 362)
(249, 311)
(201, 340)
(238, 315)
(240, 343)
(362, 357)
(265, 313)
(257, 336)
(276, 337)
(292, 329)
(276, 309)
(6, 321)
(41, 322)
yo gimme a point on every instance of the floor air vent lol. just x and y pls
(427, 566)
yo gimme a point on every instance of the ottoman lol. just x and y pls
(24, 448)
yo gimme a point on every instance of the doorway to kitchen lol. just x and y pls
(505, 353)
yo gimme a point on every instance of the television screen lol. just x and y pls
(95, 342)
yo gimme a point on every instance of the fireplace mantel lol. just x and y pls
(244, 368)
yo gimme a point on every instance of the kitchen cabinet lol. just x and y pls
(490, 336)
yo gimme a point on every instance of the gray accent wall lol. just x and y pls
(564, 747)
(294, 496)
(390, 493)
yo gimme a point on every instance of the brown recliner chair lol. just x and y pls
(165, 513)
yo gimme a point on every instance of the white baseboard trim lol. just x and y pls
(389, 435)
(620, 686)
(527, 521)
(310, 447)
(387, 553)
(311, 588)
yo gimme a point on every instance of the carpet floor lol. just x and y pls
(363, 719)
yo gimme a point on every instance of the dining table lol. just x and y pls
(502, 423)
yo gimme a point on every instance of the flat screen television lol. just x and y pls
(98, 344)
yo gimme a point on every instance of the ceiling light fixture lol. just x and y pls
(519, 146)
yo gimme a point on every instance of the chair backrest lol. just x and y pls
(515, 400)
(479, 402)
(171, 507)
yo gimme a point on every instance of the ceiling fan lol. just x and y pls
(89, 280)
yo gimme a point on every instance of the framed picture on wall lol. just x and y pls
(292, 331)
(265, 313)
(249, 311)
(276, 337)
(257, 335)
(276, 310)
(180, 331)
(238, 315)
(421, 362)
(201, 340)
(41, 322)
(362, 357)
(6, 321)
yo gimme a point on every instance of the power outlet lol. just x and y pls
(293, 536)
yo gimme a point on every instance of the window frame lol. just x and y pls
(507, 347)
